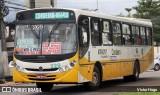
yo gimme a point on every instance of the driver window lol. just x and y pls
(83, 35)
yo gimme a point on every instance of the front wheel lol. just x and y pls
(96, 80)
(45, 87)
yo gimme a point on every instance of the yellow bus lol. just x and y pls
(59, 46)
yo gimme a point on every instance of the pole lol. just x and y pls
(97, 5)
(3, 54)
(2, 28)
(54, 3)
(32, 4)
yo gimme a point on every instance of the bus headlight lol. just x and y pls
(67, 67)
(61, 69)
(19, 68)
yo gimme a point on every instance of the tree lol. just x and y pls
(129, 11)
(121, 15)
(150, 9)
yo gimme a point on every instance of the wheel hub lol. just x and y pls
(95, 78)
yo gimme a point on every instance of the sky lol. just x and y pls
(12, 12)
(108, 7)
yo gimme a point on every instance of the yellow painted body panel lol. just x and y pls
(86, 71)
(119, 68)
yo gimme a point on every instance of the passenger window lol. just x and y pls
(142, 30)
(106, 36)
(136, 36)
(127, 38)
(96, 33)
(149, 36)
(116, 33)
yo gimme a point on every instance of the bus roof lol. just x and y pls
(146, 22)
(138, 21)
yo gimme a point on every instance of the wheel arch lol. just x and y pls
(157, 64)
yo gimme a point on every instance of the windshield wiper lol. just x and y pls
(53, 29)
(34, 32)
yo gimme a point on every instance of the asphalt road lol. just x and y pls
(149, 81)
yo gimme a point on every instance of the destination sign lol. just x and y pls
(52, 15)
(45, 15)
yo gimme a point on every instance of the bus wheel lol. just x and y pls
(45, 87)
(136, 72)
(95, 83)
(135, 76)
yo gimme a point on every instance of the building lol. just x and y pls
(40, 3)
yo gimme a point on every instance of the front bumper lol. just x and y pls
(70, 76)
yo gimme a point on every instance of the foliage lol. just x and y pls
(128, 10)
(140, 93)
(121, 15)
(150, 9)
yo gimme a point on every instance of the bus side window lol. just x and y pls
(116, 33)
(149, 36)
(143, 37)
(136, 35)
(139, 37)
(96, 33)
(126, 40)
(83, 31)
(106, 36)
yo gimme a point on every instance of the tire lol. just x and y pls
(156, 67)
(96, 80)
(45, 87)
(136, 72)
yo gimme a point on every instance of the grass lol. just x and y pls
(139, 93)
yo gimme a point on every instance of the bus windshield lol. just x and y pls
(45, 39)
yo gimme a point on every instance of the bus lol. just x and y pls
(61, 45)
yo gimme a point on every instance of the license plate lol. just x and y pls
(41, 76)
